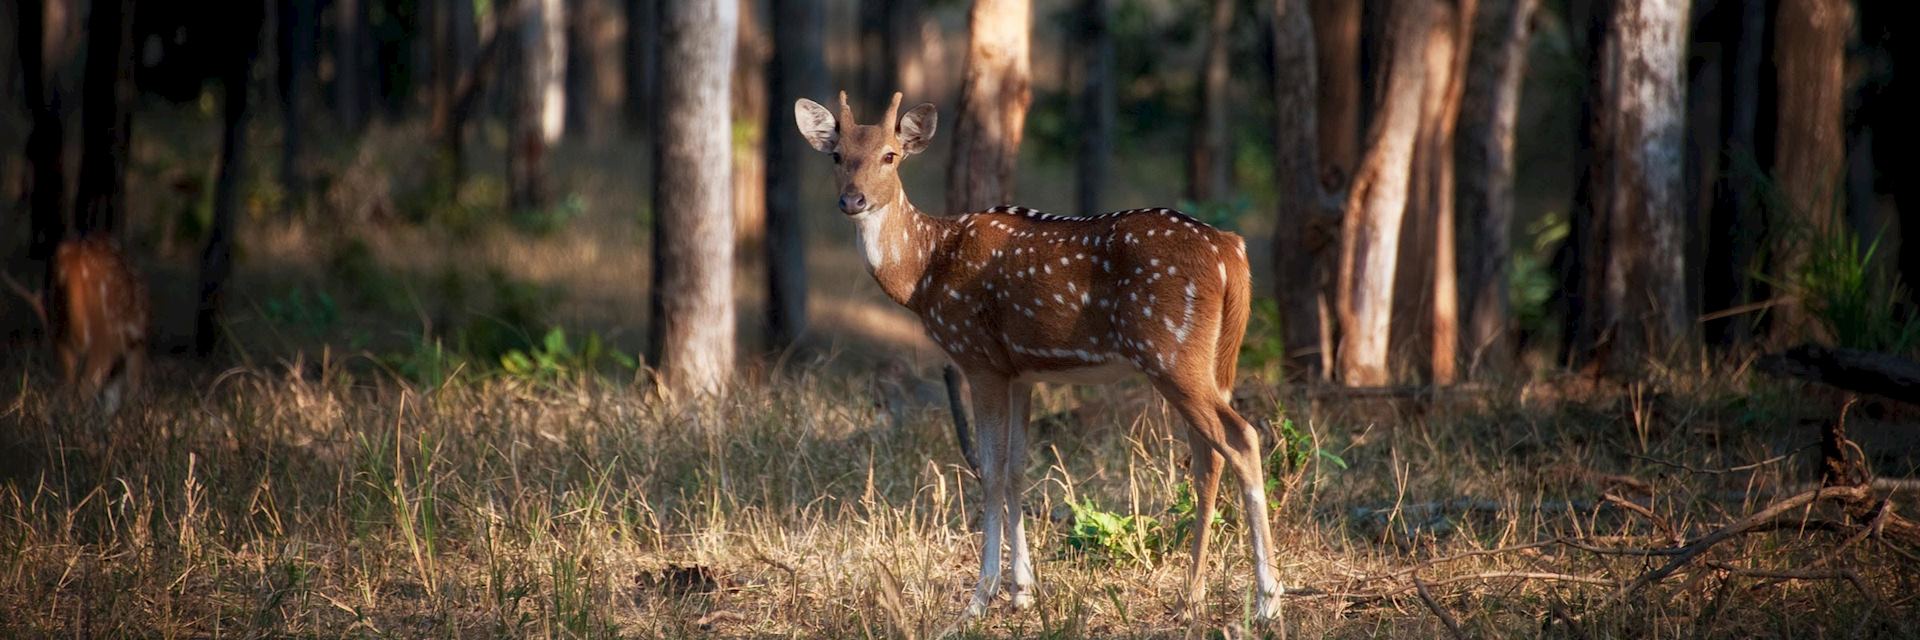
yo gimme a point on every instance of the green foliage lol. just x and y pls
(425, 361)
(551, 219)
(352, 262)
(1858, 305)
(554, 358)
(1530, 280)
(1299, 448)
(1111, 536)
(1264, 350)
(312, 313)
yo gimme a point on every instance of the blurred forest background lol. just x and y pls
(399, 251)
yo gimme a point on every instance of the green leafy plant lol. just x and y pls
(1530, 280)
(555, 358)
(1858, 305)
(1114, 537)
(311, 312)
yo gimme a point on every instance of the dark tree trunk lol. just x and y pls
(538, 111)
(907, 66)
(1370, 235)
(216, 260)
(1489, 108)
(593, 50)
(1810, 146)
(1337, 42)
(1210, 160)
(350, 68)
(297, 35)
(1735, 224)
(1097, 106)
(798, 71)
(693, 313)
(1304, 227)
(46, 143)
(1633, 261)
(752, 49)
(465, 83)
(106, 119)
(994, 95)
(642, 62)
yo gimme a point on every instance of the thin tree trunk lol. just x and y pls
(799, 70)
(1449, 61)
(903, 46)
(1303, 225)
(1733, 246)
(539, 106)
(46, 143)
(1370, 235)
(874, 71)
(297, 34)
(642, 62)
(751, 53)
(1810, 148)
(1098, 98)
(693, 319)
(1634, 260)
(1210, 160)
(1336, 35)
(350, 45)
(1489, 108)
(995, 92)
(107, 118)
(216, 260)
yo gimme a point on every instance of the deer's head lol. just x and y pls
(866, 158)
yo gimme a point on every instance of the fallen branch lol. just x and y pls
(1692, 550)
(1453, 627)
(1881, 374)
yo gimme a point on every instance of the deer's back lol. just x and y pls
(99, 313)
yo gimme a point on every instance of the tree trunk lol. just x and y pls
(539, 103)
(1447, 58)
(1633, 258)
(1810, 147)
(995, 92)
(693, 311)
(1489, 107)
(1336, 35)
(1098, 98)
(46, 143)
(350, 69)
(1370, 234)
(751, 53)
(642, 62)
(1303, 225)
(1210, 163)
(216, 260)
(799, 70)
(297, 35)
(107, 118)
(904, 58)
(1732, 249)
(594, 74)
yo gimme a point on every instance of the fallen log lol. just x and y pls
(1881, 374)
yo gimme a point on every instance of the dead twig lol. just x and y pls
(1453, 626)
(1723, 471)
(1694, 549)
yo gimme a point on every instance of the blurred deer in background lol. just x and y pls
(96, 317)
(1016, 297)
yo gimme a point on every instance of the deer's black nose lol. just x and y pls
(853, 203)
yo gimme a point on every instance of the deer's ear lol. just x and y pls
(816, 125)
(916, 128)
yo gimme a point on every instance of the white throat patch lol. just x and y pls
(871, 223)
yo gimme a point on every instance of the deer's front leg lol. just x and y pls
(990, 395)
(1018, 397)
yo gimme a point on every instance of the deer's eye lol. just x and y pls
(836, 157)
(889, 157)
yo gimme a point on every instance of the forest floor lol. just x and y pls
(363, 461)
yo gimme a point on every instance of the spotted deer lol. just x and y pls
(1016, 297)
(96, 316)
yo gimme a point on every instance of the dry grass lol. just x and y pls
(333, 501)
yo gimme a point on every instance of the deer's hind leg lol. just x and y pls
(1019, 395)
(1233, 441)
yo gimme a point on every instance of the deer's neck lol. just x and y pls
(899, 244)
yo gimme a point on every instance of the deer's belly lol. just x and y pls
(1102, 373)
